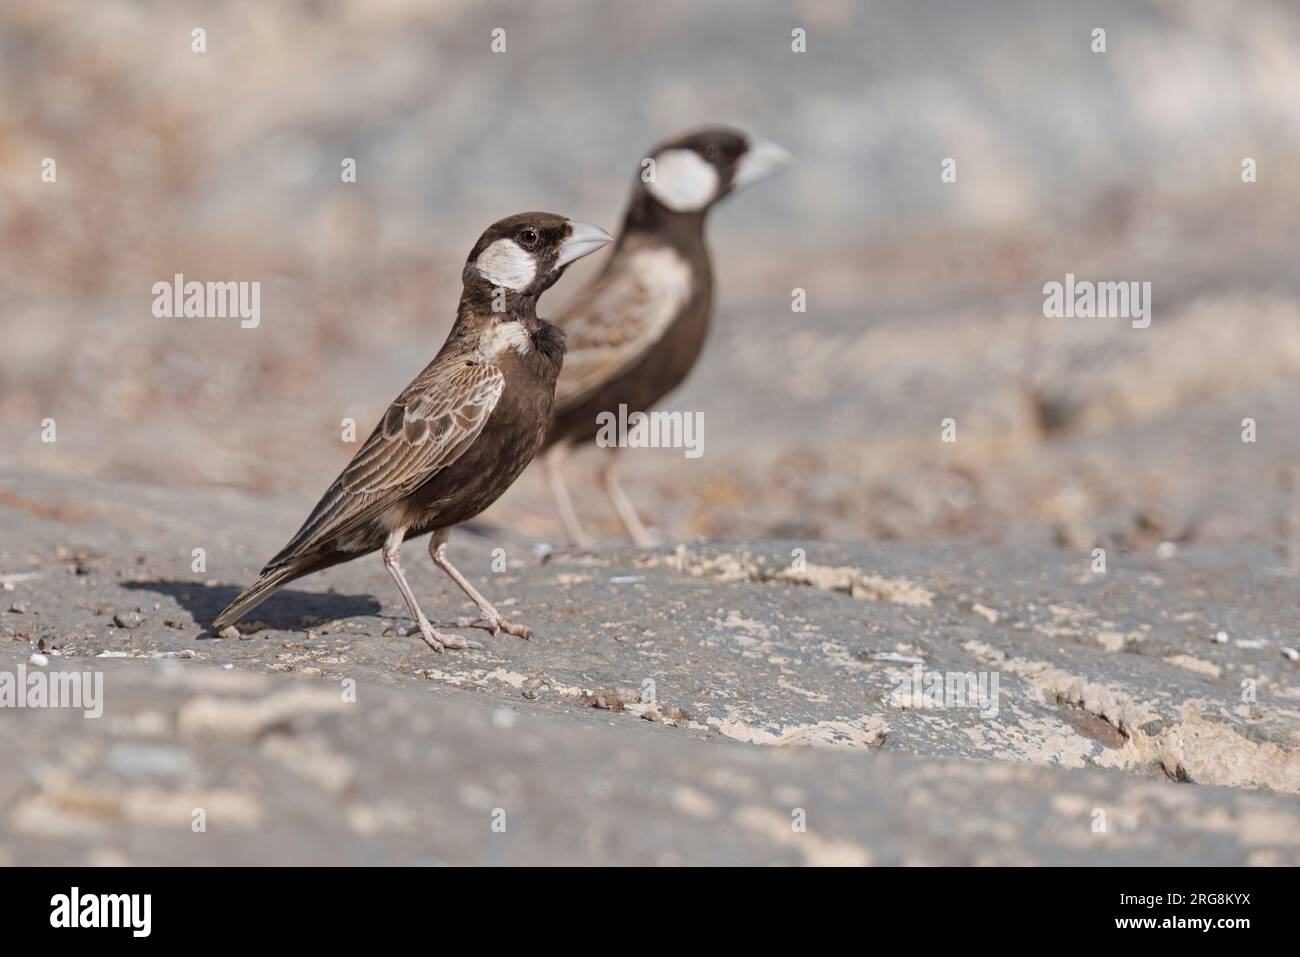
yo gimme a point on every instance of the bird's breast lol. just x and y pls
(502, 337)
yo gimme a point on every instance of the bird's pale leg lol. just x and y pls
(491, 619)
(553, 461)
(392, 552)
(623, 507)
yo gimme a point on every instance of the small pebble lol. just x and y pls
(19, 608)
(39, 660)
(1291, 654)
(1221, 637)
(1166, 549)
(230, 631)
(130, 619)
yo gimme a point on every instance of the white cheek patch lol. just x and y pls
(684, 181)
(505, 335)
(506, 263)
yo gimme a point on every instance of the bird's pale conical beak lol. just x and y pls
(760, 161)
(584, 239)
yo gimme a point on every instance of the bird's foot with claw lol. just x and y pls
(435, 639)
(496, 624)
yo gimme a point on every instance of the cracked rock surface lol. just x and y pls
(763, 702)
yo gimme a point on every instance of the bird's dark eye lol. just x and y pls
(528, 238)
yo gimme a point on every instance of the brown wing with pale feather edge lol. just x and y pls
(425, 429)
(618, 318)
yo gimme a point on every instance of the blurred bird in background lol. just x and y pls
(636, 330)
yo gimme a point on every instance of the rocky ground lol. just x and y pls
(694, 704)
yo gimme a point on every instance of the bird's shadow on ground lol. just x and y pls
(287, 609)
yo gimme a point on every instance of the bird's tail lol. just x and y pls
(267, 584)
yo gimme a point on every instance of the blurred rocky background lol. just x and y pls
(924, 298)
